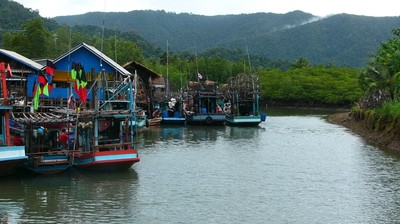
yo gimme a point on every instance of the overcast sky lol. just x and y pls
(321, 8)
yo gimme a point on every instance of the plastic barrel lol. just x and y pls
(263, 116)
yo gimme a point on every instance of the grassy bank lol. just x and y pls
(379, 127)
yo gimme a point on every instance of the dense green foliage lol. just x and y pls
(35, 41)
(32, 42)
(382, 74)
(383, 71)
(343, 40)
(311, 86)
(13, 15)
(390, 109)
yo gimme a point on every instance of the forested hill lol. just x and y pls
(14, 14)
(184, 30)
(340, 39)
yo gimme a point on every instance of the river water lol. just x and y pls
(290, 169)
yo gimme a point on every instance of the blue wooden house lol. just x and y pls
(21, 68)
(96, 67)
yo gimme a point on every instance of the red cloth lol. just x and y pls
(50, 68)
(63, 139)
(9, 72)
(42, 79)
(18, 141)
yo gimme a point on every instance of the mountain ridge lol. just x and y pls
(341, 39)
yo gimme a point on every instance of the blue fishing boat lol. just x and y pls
(41, 136)
(111, 146)
(172, 112)
(203, 104)
(243, 106)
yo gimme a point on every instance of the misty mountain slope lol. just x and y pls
(184, 30)
(340, 39)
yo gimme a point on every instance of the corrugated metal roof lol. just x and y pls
(99, 54)
(21, 59)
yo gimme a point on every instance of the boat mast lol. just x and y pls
(248, 55)
(167, 89)
(134, 102)
(132, 106)
(253, 77)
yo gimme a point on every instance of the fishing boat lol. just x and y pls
(11, 156)
(110, 147)
(172, 107)
(203, 104)
(172, 112)
(243, 106)
(41, 135)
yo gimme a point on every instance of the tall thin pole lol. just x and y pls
(134, 102)
(115, 43)
(197, 64)
(167, 90)
(248, 55)
(102, 33)
(131, 107)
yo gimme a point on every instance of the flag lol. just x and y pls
(50, 82)
(36, 95)
(78, 74)
(50, 68)
(199, 76)
(45, 89)
(44, 84)
(9, 72)
(71, 101)
(42, 79)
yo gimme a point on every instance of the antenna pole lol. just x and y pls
(167, 73)
(248, 55)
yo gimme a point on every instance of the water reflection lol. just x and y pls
(155, 134)
(69, 197)
(291, 169)
(288, 111)
(204, 133)
(235, 133)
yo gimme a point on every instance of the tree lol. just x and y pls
(38, 38)
(31, 42)
(383, 71)
(300, 63)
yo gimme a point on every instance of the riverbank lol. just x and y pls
(386, 139)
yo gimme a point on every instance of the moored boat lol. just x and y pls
(203, 106)
(45, 155)
(114, 157)
(172, 112)
(112, 147)
(243, 106)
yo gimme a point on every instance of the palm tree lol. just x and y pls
(300, 63)
(383, 72)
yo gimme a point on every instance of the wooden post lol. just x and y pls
(5, 96)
